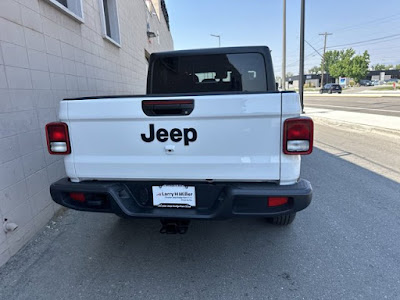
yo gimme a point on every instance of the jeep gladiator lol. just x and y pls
(213, 138)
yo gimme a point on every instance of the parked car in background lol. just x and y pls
(378, 82)
(392, 80)
(331, 88)
(366, 82)
(375, 82)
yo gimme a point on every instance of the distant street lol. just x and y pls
(388, 106)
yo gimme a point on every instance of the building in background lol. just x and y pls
(49, 50)
(383, 75)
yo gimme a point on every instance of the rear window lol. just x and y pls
(244, 72)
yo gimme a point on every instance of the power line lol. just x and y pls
(387, 18)
(295, 62)
(378, 42)
(294, 52)
(366, 41)
(355, 44)
(382, 50)
(313, 48)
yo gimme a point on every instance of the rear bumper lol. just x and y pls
(214, 200)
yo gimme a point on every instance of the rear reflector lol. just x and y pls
(277, 201)
(58, 138)
(298, 135)
(79, 197)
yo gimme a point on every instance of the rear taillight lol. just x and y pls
(58, 138)
(79, 197)
(298, 135)
(277, 201)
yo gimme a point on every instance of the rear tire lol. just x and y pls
(329, 92)
(282, 220)
(320, 91)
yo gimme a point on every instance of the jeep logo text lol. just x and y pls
(176, 135)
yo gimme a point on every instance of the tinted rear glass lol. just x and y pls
(243, 72)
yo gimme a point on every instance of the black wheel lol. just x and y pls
(282, 220)
(339, 92)
(320, 91)
(330, 92)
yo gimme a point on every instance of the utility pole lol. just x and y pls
(284, 48)
(219, 38)
(301, 71)
(325, 34)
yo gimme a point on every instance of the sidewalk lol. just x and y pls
(366, 95)
(376, 122)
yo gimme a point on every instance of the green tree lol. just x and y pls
(330, 58)
(382, 67)
(359, 67)
(315, 70)
(345, 63)
(397, 67)
(339, 62)
(378, 67)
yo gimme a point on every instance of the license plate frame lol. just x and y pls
(174, 196)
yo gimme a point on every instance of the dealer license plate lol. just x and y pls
(174, 196)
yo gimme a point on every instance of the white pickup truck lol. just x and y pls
(212, 139)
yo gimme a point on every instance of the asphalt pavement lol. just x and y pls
(388, 106)
(344, 246)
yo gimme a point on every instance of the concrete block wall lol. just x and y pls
(45, 56)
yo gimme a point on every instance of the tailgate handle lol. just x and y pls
(167, 107)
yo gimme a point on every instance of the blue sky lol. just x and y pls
(259, 22)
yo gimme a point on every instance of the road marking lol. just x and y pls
(357, 108)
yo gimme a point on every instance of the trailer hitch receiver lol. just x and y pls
(170, 226)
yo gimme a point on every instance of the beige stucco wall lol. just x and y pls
(45, 55)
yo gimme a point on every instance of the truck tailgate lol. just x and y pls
(238, 138)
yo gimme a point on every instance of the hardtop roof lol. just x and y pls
(210, 51)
